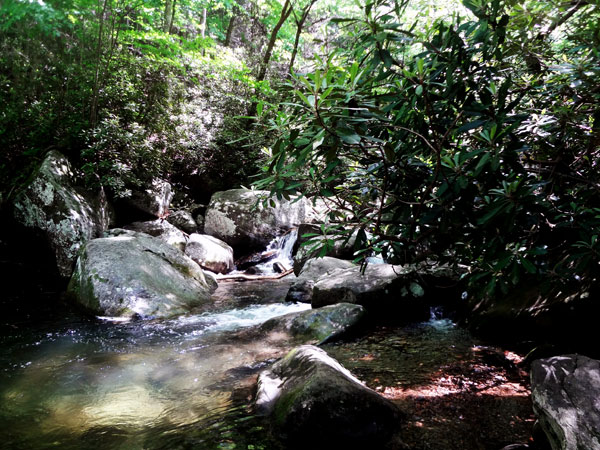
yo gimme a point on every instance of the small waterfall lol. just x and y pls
(283, 246)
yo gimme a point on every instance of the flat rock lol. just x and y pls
(314, 269)
(161, 229)
(317, 326)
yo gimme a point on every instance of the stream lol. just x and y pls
(68, 381)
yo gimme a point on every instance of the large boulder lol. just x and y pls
(240, 218)
(161, 229)
(317, 326)
(565, 391)
(63, 214)
(210, 253)
(314, 402)
(315, 268)
(154, 199)
(368, 287)
(131, 274)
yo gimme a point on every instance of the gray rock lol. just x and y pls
(317, 325)
(184, 221)
(340, 249)
(210, 253)
(133, 274)
(239, 217)
(315, 268)
(161, 229)
(314, 402)
(154, 199)
(566, 399)
(66, 216)
(378, 283)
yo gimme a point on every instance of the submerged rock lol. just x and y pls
(161, 229)
(133, 274)
(314, 402)
(239, 217)
(65, 215)
(315, 268)
(210, 253)
(565, 392)
(317, 325)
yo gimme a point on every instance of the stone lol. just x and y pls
(340, 248)
(317, 326)
(132, 274)
(565, 391)
(314, 402)
(161, 229)
(240, 218)
(65, 215)
(375, 285)
(315, 268)
(210, 253)
(154, 199)
(183, 220)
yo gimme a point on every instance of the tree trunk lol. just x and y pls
(285, 13)
(95, 88)
(172, 17)
(168, 16)
(231, 26)
(299, 26)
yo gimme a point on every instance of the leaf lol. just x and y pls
(529, 267)
(416, 289)
(419, 90)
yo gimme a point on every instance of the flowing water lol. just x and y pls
(71, 382)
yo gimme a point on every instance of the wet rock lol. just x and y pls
(161, 229)
(131, 274)
(315, 268)
(210, 253)
(154, 199)
(314, 402)
(565, 391)
(63, 214)
(184, 221)
(239, 217)
(318, 325)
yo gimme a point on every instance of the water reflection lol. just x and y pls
(132, 385)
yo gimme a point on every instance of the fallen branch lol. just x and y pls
(243, 277)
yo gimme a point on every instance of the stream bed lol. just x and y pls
(71, 382)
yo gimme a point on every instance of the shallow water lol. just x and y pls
(84, 383)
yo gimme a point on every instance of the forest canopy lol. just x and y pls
(460, 133)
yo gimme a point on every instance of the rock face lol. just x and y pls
(375, 285)
(184, 221)
(316, 403)
(161, 229)
(154, 200)
(66, 216)
(133, 274)
(315, 268)
(317, 325)
(210, 253)
(565, 391)
(239, 218)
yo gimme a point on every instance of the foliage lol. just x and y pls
(471, 141)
